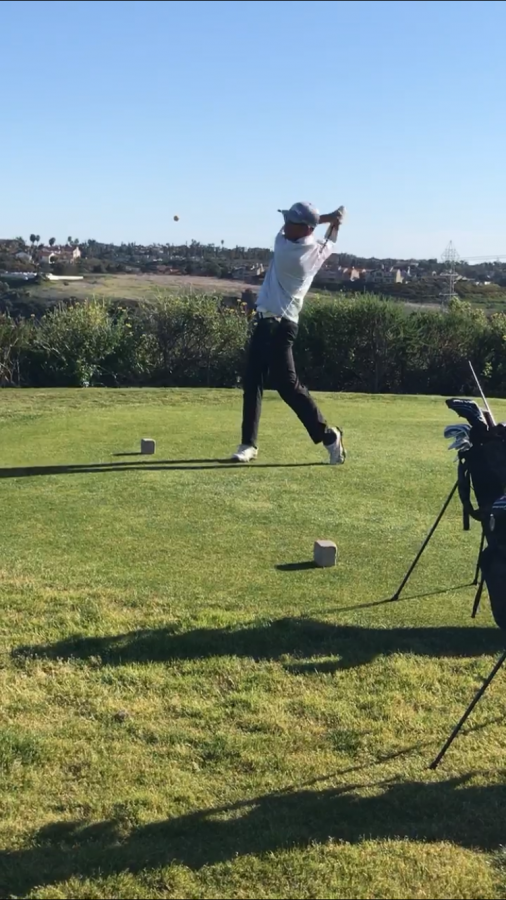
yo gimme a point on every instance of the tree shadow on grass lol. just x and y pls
(470, 815)
(302, 645)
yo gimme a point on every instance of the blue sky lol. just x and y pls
(117, 115)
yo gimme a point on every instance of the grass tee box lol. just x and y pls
(189, 707)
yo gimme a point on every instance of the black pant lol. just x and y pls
(271, 351)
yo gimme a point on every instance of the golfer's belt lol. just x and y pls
(268, 315)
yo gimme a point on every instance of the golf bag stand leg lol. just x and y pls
(468, 711)
(480, 582)
(425, 544)
(477, 599)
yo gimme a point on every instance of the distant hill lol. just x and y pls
(133, 272)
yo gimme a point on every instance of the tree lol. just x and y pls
(34, 239)
(214, 269)
(69, 239)
(52, 242)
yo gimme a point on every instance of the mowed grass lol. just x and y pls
(186, 711)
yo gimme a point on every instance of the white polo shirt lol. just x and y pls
(291, 274)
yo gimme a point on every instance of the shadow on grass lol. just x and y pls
(164, 465)
(314, 646)
(126, 455)
(421, 596)
(467, 814)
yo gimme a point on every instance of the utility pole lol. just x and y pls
(451, 258)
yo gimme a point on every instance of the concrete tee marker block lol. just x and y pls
(325, 554)
(148, 446)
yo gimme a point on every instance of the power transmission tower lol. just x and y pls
(451, 258)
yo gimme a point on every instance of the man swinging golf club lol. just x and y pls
(298, 256)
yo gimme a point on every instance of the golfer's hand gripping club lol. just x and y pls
(335, 220)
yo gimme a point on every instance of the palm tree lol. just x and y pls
(34, 239)
(69, 240)
(52, 242)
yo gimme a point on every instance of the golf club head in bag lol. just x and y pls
(468, 409)
(459, 435)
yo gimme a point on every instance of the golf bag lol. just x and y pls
(493, 561)
(481, 447)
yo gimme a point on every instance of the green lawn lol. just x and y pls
(187, 714)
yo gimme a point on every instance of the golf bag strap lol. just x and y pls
(464, 481)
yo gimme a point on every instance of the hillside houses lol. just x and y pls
(66, 254)
(249, 273)
(40, 254)
(10, 245)
(343, 272)
(332, 274)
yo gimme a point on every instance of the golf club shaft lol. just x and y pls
(487, 406)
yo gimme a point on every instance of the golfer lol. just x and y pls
(298, 256)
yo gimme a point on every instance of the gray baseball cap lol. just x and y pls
(302, 214)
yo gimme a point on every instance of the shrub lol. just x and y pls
(15, 338)
(355, 344)
(71, 345)
(195, 342)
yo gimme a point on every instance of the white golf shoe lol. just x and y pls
(245, 454)
(336, 450)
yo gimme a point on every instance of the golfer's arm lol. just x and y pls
(326, 220)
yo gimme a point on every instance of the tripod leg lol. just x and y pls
(468, 711)
(477, 599)
(478, 563)
(408, 575)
